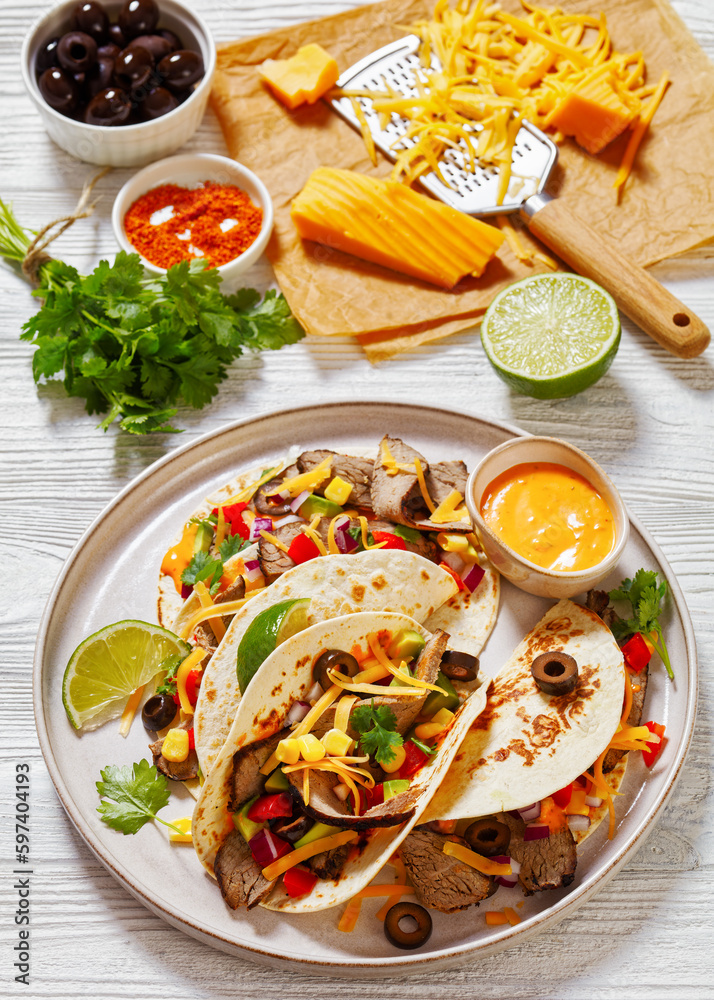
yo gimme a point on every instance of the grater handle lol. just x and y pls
(655, 310)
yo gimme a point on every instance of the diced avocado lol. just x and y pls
(203, 539)
(246, 827)
(316, 832)
(408, 534)
(436, 700)
(397, 682)
(395, 787)
(313, 505)
(277, 782)
(406, 645)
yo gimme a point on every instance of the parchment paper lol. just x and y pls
(667, 207)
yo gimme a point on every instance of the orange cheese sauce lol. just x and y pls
(550, 515)
(179, 556)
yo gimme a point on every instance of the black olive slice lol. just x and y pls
(265, 506)
(458, 666)
(407, 939)
(334, 659)
(488, 837)
(555, 673)
(158, 712)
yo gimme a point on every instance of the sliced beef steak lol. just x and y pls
(247, 762)
(545, 864)
(356, 471)
(443, 478)
(330, 864)
(440, 881)
(406, 709)
(398, 497)
(239, 878)
(612, 757)
(205, 636)
(176, 770)
(273, 561)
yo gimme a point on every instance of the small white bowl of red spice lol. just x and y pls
(198, 206)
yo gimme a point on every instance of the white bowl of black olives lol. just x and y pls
(120, 82)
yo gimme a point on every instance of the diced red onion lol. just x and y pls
(593, 800)
(266, 847)
(530, 813)
(252, 570)
(315, 692)
(186, 591)
(536, 831)
(454, 560)
(473, 577)
(297, 713)
(578, 823)
(341, 791)
(299, 500)
(345, 541)
(288, 519)
(509, 881)
(258, 525)
(280, 495)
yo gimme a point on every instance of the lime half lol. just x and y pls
(267, 630)
(551, 335)
(105, 668)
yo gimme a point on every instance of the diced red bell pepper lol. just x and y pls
(637, 653)
(649, 756)
(302, 548)
(414, 761)
(191, 739)
(233, 516)
(452, 572)
(269, 807)
(298, 881)
(563, 795)
(393, 541)
(193, 683)
(186, 591)
(372, 796)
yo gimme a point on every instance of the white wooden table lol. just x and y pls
(649, 422)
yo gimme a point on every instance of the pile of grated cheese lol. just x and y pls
(497, 69)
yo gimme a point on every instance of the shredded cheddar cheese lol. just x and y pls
(474, 860)
(422, 486)
(279, 867)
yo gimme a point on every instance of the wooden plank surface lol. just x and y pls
(649, 422)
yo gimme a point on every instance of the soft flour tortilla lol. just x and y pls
(284, 678)
(526, 744)
(380, 580)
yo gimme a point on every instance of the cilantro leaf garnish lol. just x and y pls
(203, 568)
(423, 746)
(232, 545)
(131, 796)
(645, 596)
(377, 728)
(169, 666)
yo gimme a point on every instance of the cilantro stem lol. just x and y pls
(661, 648)
(171, 826)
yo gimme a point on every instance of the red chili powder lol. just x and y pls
(197, 217)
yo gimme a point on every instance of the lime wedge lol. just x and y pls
(267, 630)
(105, 668)
(551, 335)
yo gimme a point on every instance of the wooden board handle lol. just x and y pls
(638, 295)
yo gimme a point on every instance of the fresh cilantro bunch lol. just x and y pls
(645, 597)
(131, 796)
(376, 726)
(135, 347)
(208, 569)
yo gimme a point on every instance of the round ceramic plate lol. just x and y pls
(112, 575)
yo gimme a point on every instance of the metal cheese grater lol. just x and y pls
(643, 299)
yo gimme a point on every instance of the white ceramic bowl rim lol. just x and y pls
(615, 501)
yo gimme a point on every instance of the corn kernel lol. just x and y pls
(452, 542)
(175, 746)
(338, 490)
(428, 729)
(400, 755)
(288, 751)
(310, 747)
(336, 743)
(184, 837)
(443, 716)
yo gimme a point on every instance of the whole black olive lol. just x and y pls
(101, 76)
(158, 712)
(265, 506)
(77, 52)
(334, 659)
(173, 40)
(133, 68)
(108, 51)
(59, 89)
(109, 107)
(91, 18)
(403, 938)
(117, 36)
(181, 69)
(46, 56)
(555, 673)
(488, 837)
(158, 102)
(155, 45)
(458, 666)
(138, 17)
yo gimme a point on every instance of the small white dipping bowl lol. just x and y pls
(124, 145)
(190, 171)
(522, 572)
